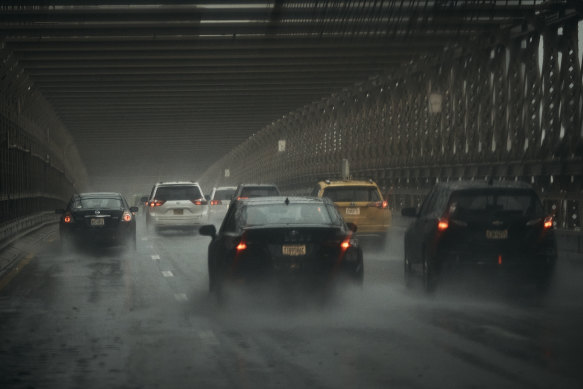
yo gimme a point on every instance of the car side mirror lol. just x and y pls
(409, 212)
(208, 230)
(59, 211)
(351, 226)
(134, 209)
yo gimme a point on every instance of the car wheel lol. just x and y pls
(132, 243)
(65, 243)
(219, 291)
(428, 276)
(408, 273)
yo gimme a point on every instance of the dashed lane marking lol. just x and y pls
(155, 256)
(167, 273)
(14, 272)
(180, 297)
(208, 337)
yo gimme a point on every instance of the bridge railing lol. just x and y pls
(507, 109)
(39, 164)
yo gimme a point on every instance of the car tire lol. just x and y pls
(65, 243)
(428, 276)
(132, 244)
(408, 275)
(219, 291)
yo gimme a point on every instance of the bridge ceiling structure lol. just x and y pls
(163, 89)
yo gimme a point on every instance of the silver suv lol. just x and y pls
(178, 204)
(219, 201)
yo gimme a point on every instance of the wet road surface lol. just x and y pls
(115, 319)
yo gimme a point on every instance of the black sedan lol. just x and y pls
(479, 228)
(101, 218)
(294, 241)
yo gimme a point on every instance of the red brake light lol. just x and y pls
(241, 246)
(199, 202)
(345, 245)
(67, 219)
(242, 198)
(156, 203)
(442, 225)
(127, 217)
(548, 223)
(215, 202)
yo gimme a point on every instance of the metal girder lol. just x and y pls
(121, 73)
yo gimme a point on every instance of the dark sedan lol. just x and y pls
(483, 228)
(294, 241)
(101, 218)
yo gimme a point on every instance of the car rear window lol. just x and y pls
(297, 214)
(352, 193)
(480, 205)
(101, 203)
(177, 192)
(223, 194)
(259, 191)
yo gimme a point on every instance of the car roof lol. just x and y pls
(99, 194)
(176, 183)
(224, 187)
(268, 200)
(258, 185)
(329, 183)
(468, 185)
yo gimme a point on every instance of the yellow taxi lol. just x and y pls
(359, 202)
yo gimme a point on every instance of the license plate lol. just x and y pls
(294, 250)
(178, 211)
(496, 234)
(97, 222)
(353, 211)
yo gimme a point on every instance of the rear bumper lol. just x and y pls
(530, 265)
(177, 221)
(109, 236)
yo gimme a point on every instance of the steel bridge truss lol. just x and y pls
(509, 109)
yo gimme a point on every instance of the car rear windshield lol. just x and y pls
(296, 214)
(352, 193)
(98, 203)
(259, 191)
(479, 205)
(223, 194)
(177, 192)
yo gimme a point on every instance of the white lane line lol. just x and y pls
(180, 297)
(167, 273)
(155, 256)
(208, 337)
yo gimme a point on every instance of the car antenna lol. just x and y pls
(286, 201)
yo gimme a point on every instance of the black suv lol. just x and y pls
(246, 191)
(499, 227)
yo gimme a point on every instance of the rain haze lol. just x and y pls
(291, 194)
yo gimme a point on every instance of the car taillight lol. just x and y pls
(345, 244)
(548, 223)
(156, 203)
(67, 219)
(242, 198)
(126, 217)
(215, 202)
(199, 202)
(442, 224)
(382, 204)
(241, 246)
